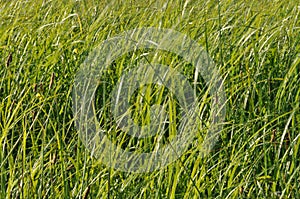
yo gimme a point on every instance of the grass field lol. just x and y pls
(254, 44)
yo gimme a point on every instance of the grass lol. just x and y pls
(255, 46)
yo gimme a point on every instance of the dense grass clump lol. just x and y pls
(254, 44)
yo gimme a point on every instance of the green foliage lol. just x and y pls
(255, 45)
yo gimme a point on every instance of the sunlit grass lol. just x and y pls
(254, 44)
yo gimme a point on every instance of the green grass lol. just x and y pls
(255, 45)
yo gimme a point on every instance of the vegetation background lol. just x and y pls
(256, 46)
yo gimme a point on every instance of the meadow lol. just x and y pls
(255, 46)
